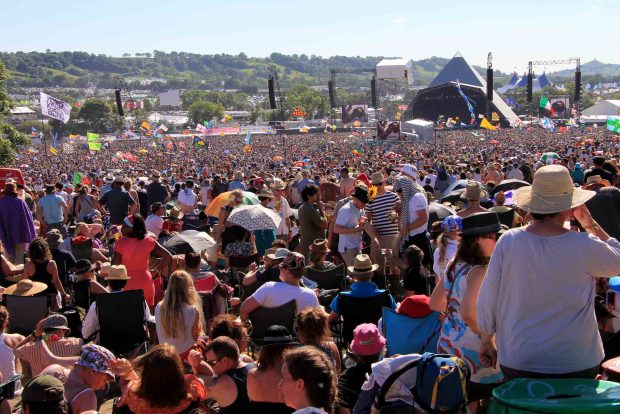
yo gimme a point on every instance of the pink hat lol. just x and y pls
(367, 340)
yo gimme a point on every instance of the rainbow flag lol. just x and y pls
(357, 152)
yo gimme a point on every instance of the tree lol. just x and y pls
(201, 111)
(7, 154)
(306, 99)
(10, 138)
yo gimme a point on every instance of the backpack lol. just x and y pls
(441, 383)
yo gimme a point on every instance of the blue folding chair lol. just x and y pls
(405, 335)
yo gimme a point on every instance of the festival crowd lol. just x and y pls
(164, 292)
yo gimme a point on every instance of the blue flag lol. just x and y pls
(55, 144)
(247, 138)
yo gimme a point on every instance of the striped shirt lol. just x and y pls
(380, 209)
(33, 354)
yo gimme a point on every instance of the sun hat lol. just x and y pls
(175, 213)
(416, 306)
(117, 272)
(56, 321)
(119, 179)
(293, 261)
(319, 246)
(481, 223)
(43, 388)
(361, 193)
(277, 335)
(473, 191)
(238, 176)
(83, 266)
(377, 178)
(276, 254)
(25, 287)
(298, 177)
(362, 265)
(452, 223)
(108, 178)
(96, 358)
(278, 184)
(551, 192)
(54, 238)
(10, 188)
(367, 340)
(410, 170)
(155, 174)
(265, 193)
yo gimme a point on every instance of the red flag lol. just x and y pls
(128, 105)
(85, 180)
(135, 104)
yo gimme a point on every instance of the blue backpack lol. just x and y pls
(441, 383)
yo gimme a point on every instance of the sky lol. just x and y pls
(515, 31)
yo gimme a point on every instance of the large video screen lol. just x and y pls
(560, 107)
(352, 113)
(388, 130)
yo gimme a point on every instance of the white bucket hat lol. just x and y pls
(551, 192)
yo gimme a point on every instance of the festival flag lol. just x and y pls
(145, 125)
(547, 124)
(199, 142)
(613, 124)
(247, 149)
(201, 129)
(163, 127)
(55, 142)
(544, 103)
(248, 137)
(35, 132)
(74, 136)
(55, 108)
(32, 150)
(53, 150)
(94, 146)
(357, 152)
(79, 177)
(92, 137)
(487, 125)
(119, 155)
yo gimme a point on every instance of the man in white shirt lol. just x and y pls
(350, 225)
(274, 294)
(187, 198)
(281, 206)
(414, 230)
(155, 222)
(205, 193)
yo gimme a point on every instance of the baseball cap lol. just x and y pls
(43, 388)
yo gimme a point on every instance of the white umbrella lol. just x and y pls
(254, 217)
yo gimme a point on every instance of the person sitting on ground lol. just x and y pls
(52, 330)
(178, 317)
(65, 261)
(42, 268)
(230, 326)
(365, 350)
(270, 271)
(242, 244)
(173, 222)
(224, 375)
(155, 383)
(309, 382)
(264, 379)
(318, 254)
(44, 394)
(472, 194)
(274, 294)
(312, 329)
(86, 286)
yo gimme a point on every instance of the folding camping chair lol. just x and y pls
(263, 318)
(27, 311)
(405, 335)
(328, 279)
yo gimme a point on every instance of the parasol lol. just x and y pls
(505, 185)
(189, 241)
(255, 217)
(223, 199)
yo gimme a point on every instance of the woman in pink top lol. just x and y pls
(133, 250)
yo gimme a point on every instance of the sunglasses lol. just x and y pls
(214, 363)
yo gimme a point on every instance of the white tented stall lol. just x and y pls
(418, 127)
(395, 69)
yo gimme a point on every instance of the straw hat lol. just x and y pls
(25, 287)
(473, 191)
(278, 184)
(117, 272)
(377, 178)
(362, 266)
(265, 193)
(551, 192)
(319, 246)
(175, 213)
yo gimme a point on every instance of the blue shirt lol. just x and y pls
(51, 206)
(236, 185)
(306, 181)
(361, 290)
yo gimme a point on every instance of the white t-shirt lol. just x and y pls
(204, 195)
(274, 294)
(349, 216)
(418, 202)
(449, 253)
(187, 197)
(284, 210)
(154, 224)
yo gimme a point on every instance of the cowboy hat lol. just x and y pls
(551, 192)
(117, 272)
(319, 246)
(596, 181)
(25, 287)
(278, 184)
(265, 193)
(473, 191)
(377, 178)
(175, 213)
(276, 254)
(362, 266)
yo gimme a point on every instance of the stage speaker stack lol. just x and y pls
(373, 92)
(577, 85)
(332, 95)
(272, 94)
(119, 103)
(529, 87)
(490, 84)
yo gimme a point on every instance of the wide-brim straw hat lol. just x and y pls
(175, 213)
(278, 184)
(362, 265)
(266, 193)
(551, 192)
(117, 272)
(25, 287)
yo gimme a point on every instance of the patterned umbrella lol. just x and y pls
(549, 155)
(223, 199)
(255, 217)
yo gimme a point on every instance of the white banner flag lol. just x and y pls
(55, 108)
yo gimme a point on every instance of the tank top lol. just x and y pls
(42, 275)
(184, 340)
(7, 360)
(242, 403)
(86, 206)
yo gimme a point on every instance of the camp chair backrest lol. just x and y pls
(242, 262)
(356, 311)
(507, 217)
(121, 320)
(263, 318)
(405, 335)
(328, 279)
(82, 251)
(26, 312)
(191, 222)
(247, 291)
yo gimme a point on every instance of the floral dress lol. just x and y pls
(457, 338)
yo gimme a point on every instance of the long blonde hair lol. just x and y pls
(180, 291)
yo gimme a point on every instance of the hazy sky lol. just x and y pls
(516, 31)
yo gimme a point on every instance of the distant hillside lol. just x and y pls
(190, 70)
(593, 67)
